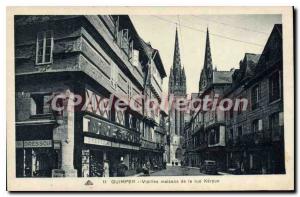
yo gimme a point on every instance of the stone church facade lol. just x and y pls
(177, 90)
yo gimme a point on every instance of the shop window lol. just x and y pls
(44, 47)
(255, 97)
(274, 87)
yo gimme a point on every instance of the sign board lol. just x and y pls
(95, 141)
(34, 144)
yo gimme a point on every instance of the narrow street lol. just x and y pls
(177, 171)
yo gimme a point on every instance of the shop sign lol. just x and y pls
(38, 144)
(125, 146)
(115, 144)
(100, 142)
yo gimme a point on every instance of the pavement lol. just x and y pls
(177, 171)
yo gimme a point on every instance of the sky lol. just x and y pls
(231, 36)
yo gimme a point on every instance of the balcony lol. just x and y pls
(152, 145)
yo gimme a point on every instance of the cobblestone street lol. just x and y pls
(177, 171)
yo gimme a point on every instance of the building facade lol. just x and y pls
(255, 138)
(205, 134)
(177, 90)
(98, 60)
(248, 138)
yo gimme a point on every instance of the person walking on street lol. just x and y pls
(122, 168)
(106, 169)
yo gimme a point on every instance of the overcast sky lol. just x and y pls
(231, 36)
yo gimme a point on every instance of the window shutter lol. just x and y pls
(260, 127)
(130, 54)
(116, 29)
(281, 119)
(124, 39)
(86, 125)
(135, 58)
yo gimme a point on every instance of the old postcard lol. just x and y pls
(150, 99)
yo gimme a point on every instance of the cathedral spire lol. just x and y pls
(176, 57)
(207, 58)
(177, 78)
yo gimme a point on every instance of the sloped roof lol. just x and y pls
(152, 52)
(272, 52)
(222, 77)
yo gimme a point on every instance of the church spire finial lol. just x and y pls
(176, 57)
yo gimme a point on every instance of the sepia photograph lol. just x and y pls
(150, 99)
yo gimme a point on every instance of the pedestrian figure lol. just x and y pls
(121, 169)
(106, 169)
(145, 170)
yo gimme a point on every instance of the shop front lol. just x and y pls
(105, 146)
(100, 158)
(36, 153)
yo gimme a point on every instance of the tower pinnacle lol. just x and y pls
(207, 57)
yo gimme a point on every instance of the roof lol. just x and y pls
(221, 77)
(252, 57)
(248, 64)
(272, 52)
(154, 53)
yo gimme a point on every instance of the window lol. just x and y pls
(241, 106)
(240, 131)
(231, 134)
(255, 97)
(114, 76)
(275, 124)
(214, 137)
(40, 104)
(274, 87)
(44, 48)
(256, 126)
(231, 112)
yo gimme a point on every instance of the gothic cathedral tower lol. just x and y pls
(206, 76)
(177, 89)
